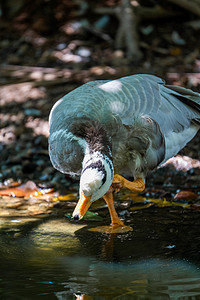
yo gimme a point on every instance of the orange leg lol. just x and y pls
(137, 185)
(115, 220)
(119, 182)
(117, 226)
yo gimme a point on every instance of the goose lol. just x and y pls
(106, 131)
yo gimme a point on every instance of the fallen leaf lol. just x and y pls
(181, 204)
(9, 183)
(165, 203)
(89, 216)
(162, 202)
(138, 207)
(13, 192)
(158, 202)
(29, 189)
(186, 195)
(69, 197)
(183, 163)
(48, 196)
(133, 196)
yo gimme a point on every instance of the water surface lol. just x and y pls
(53, 258)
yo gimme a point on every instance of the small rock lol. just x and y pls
(61, 46)
(32, 112)
(146, 30)
(177, 39)
(84, 52)
(44, 177)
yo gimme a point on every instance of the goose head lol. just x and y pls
(97, 168)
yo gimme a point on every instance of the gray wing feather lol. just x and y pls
(161, 102)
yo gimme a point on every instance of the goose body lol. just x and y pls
(128, 126)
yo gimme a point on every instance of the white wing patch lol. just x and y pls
(113, 86)
(117, 107)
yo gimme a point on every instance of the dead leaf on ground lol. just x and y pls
(29, 189)
(183, 163)
(68, 197)
(186, 195)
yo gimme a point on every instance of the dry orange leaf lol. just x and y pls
(13, 192)
(29, 189)
(69, 197)
(186, 195)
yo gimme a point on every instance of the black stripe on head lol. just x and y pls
(100, 168)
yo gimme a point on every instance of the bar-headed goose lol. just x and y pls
(127, 126)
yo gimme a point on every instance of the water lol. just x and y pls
(52, 258)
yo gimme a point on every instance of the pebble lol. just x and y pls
(61, 46)
(84, 52)
(40, 162)
(32, 112)
(44, 177)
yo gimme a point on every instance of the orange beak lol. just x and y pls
(81, 207)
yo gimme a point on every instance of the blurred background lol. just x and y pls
(49, 47)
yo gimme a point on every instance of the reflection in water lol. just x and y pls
(147, 279)
(56, 259)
